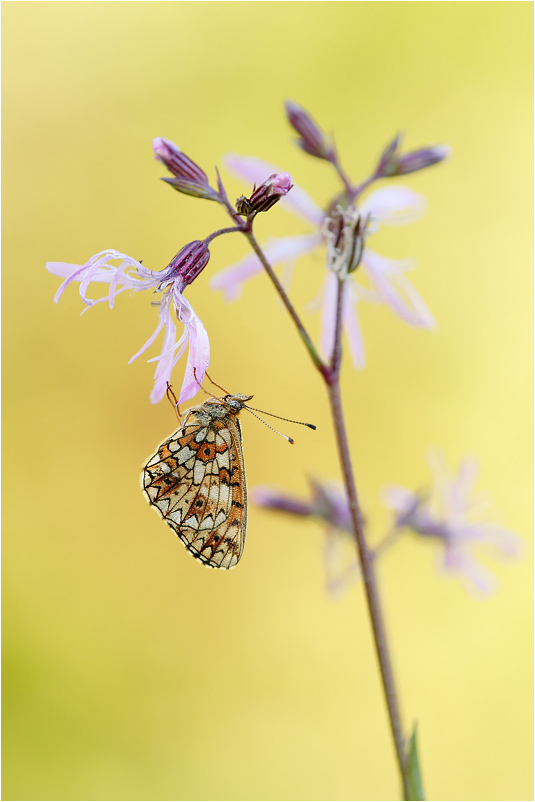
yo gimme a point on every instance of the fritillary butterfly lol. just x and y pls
(196, 481)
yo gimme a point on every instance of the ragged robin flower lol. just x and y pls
(448, 514)
(388, 283)
(327, 503)
(169, 284)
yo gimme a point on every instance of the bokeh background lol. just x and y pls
(131, 671)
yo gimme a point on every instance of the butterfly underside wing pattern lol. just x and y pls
(196, 481)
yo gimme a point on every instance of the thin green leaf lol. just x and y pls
(414, 776)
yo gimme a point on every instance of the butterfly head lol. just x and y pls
(219, 407)
(235, 403)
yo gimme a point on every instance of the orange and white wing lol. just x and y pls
(196, 481)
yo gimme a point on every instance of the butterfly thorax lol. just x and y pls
(219, 408)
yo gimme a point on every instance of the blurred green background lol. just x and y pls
(131, 671)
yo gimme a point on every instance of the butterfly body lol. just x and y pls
(196, 481)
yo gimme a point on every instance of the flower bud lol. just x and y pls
(392, 163)
(276, 500)
(387, 162)
(266, 195)
(189, 178)
(188, 263)
(176, 161)
(425, 157)
(313, 140)
(328, 502)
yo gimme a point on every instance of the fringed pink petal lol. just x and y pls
(394, 206)
(230, 280)
(328, 315)
(395, 290)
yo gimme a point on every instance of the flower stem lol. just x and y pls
(370, 584)
(317, 360)
(331, 377)
(366, 555)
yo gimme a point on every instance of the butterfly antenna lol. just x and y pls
(270, 427)
(300, 422)
(173, 401)
(217, 385)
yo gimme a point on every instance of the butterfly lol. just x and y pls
(196, 481)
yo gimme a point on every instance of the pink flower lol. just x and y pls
(328, 503)
(449, 515)
(170, 282)
(389, 285)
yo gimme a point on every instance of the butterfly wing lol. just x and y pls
(196, 481)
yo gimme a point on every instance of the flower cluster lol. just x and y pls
(343, 229)
(170, 282)
(450, 515)
(389, 285)
(447, 514)
(328, 504)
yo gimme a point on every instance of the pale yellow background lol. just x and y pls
(132, 672)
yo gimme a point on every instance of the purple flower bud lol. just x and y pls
(266, 195)
(177, 162)
(387, 162)
(313, 140)
(425, 157)
(187, 264)
(328, 502)
(275, 500)
(189, 178)
(392, 163)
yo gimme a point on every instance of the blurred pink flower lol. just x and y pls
(327, 503)
(449, 514)
(132, 275)
(389, 285)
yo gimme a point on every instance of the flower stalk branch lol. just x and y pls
(314, 355)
